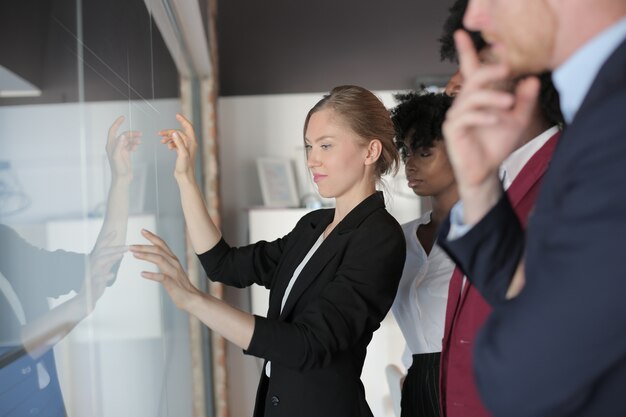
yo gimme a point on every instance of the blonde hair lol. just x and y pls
(367, 117)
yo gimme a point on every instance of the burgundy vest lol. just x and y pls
(466, 310)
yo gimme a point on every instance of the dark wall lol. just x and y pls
(287, 46)
(265, 47)
(127, 57)
(22, 45)
(124, 54)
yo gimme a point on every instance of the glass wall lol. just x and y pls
(84, 88)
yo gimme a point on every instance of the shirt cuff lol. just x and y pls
(458, 229)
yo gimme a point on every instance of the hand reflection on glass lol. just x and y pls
(119, 149)
(31, 274)
(104, 263)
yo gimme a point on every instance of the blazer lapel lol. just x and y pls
(329, 249)
(304, 242)
(455, 295)
(309, 273)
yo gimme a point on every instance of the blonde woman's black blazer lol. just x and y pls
(317, 344)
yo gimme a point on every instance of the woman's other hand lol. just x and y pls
(171, 273)
(185, 143)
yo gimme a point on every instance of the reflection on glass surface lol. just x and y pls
(81, 173)
(12, 198)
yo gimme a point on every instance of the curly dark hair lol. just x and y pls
(548, 96)
(549, 100)
(454, 22)
(418, 118)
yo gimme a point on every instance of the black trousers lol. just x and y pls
(420, 391)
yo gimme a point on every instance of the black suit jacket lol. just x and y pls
(317, 344)
(559, 348)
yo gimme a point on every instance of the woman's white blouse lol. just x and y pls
(420, 304)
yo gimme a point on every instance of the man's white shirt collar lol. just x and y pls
(513, 165)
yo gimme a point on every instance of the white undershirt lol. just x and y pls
(515, 162)
(294, 277)
(420, 304)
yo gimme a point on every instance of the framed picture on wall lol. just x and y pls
(278, 184)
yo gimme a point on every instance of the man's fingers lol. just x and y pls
(468, 120)
(526, 94)
(481, 100)
(487, 77)
(468, 57)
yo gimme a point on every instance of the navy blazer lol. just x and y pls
(317, 344)
(559, 348)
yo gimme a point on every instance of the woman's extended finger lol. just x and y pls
(167, 138)
(157, 241)
(181, 145)
(155, 276)
(167, 133)
(159, 260)
(187, 126)
(145, 250)
(178, 140)
(115, 126)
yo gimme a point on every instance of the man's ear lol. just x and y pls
(374, 150)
